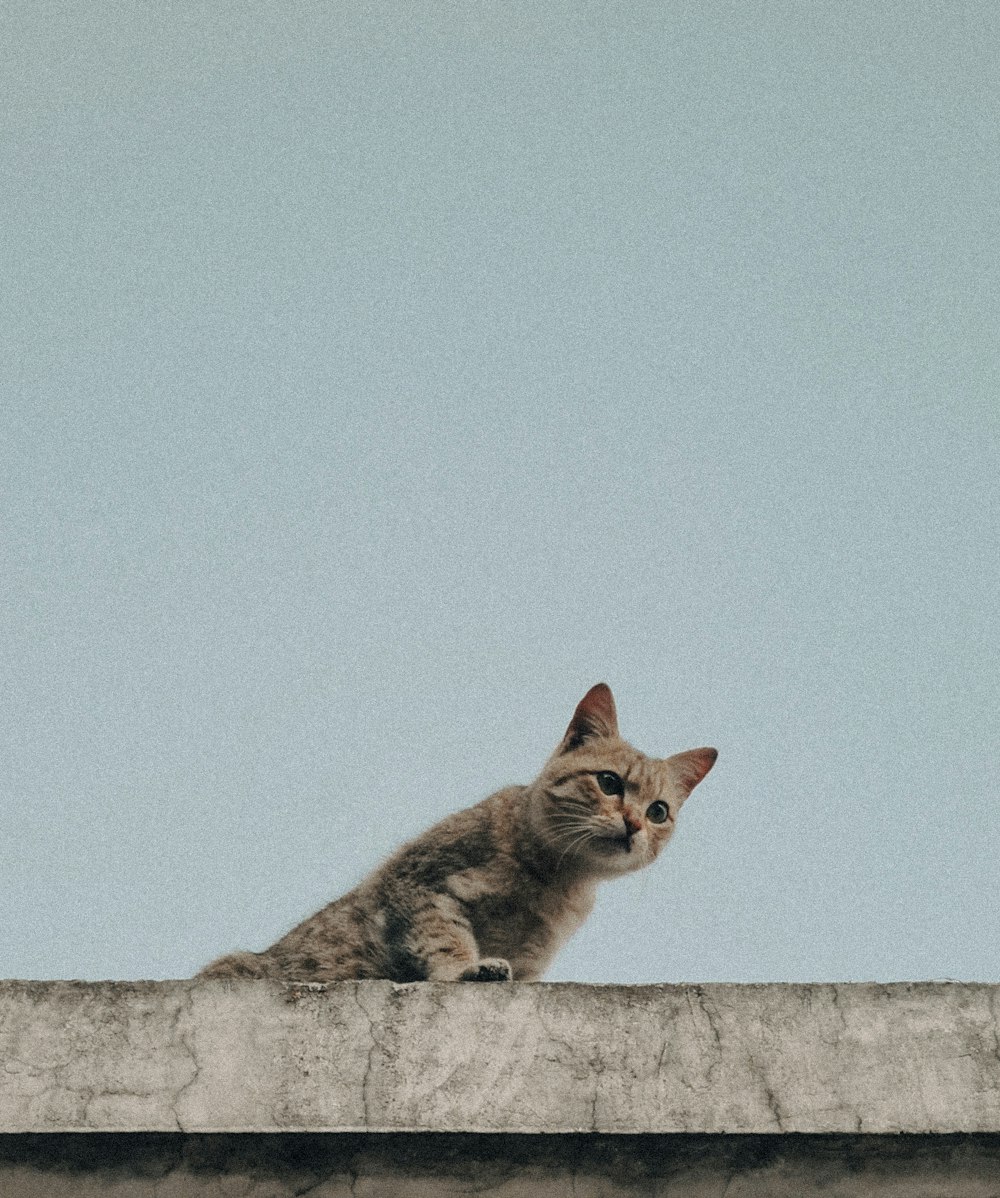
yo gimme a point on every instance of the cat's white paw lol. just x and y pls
(491, 969)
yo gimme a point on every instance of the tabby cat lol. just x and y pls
(490, 893)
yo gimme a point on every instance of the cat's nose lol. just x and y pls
(632, 823)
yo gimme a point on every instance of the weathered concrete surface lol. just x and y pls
(513, 1058)
(460, 1166)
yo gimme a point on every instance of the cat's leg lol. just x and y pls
(441, 938)
(489, 969)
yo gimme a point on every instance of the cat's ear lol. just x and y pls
(595, 716)
(689, 768)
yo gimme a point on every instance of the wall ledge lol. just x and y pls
(539, 1058)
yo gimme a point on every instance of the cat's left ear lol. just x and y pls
(689, 768)
(595, 716)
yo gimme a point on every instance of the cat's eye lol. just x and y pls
(610, 783)
(657, 812)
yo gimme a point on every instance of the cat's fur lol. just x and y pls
(492, 892)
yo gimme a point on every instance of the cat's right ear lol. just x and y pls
(595, 717)
(689, 768)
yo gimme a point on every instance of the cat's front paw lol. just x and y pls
(492, 969)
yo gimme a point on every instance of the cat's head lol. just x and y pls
(604, 808)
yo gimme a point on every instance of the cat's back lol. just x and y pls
(474, 838)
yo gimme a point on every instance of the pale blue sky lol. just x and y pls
(378, 377)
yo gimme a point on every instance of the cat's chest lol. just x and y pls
(518, 918)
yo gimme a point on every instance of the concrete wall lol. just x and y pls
(374, 1089)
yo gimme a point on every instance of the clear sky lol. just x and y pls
(377, 377)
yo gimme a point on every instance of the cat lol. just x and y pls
(492, 892)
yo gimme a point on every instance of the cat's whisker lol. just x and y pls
(568, 832)
(575, 821)
(569, 817)
(587, 834)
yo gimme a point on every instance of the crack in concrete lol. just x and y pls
(86, 1094)
(373, 1048)
(313, 1186)
(711, 1016)
(598, 1071)
(993, 1001)
(841, 1015)
(731, 1180)
(701, 1012)
(571, 1052)
(184, 1008)
(770, 1097)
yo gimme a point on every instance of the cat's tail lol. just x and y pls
(237, 965)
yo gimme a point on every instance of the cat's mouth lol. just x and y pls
(616, 844)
